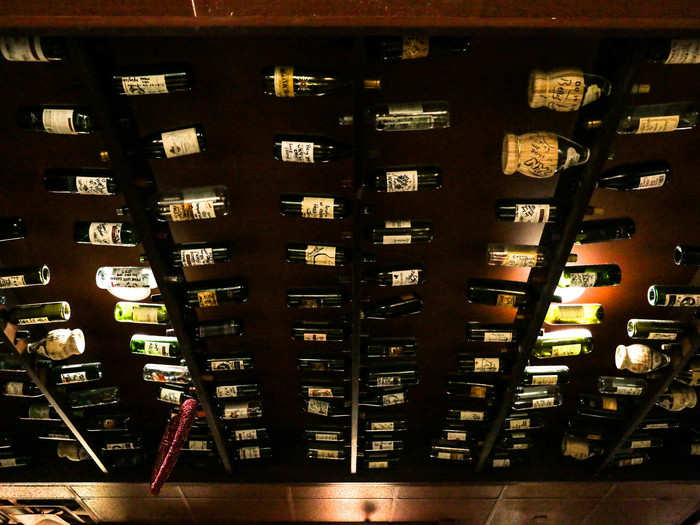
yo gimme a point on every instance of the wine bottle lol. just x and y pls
(200, 254)
(580, 449)
(59, 344)
(565, 89)
(391, 307)
(466, 386)
(379, 461)
(80, 181)
(323, 389)
(481, 364)
(659, 423)
(174, 143)
(633, 177)
(249, 432)
(21, 389)
(308, 149)
(189, 204)
(467, 410)
(216, 293)
(490, 333)
(504, 460)
(231, 390)
(316, 298)
(11, 363)
(382, 443)
(639, 359)
(42, 411)
(621, 386)
(325, 451)
(385, 424)
(384, 397)
(231, 410)
(317, 254)
(107, 423)
(519, 255)
(80, 373)
(32, 48)
(590, 429)
(684, 254)
(516, 441)
(12, 460)
(40, 313)
(691, 375)
(664, 330)
(655, 118)
(334, 433)
(409, 178)
(398, 275)
(496, 292)
(154, 345)
(123, 442)
(321, 407)
(401, 232)
(527, 210)
(458, 433)
(24, 276)
(574, 314)
(106, 233)
(390, 376)
(146, 313)
(533, 397)
(522, 421)
(459, 452)
(419, 46)
(226, 364)
(159, 373)
(603, 406)
(676, 51)
(314, 206)
(688, 296)
(321, 363)
(545, 375)
(540, 154)
(388, 348)
(152, 81)
(590, 275)
(252, 452)
(57, 120)
(210, 329)
(411, 116)
(174, 395)
(95, 397)
(12, 228)
(637, 441)
(323, 331)
(292, 81)
(563, 343)
(605, 230)
(677, 398)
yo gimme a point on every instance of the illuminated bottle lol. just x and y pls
(540, 396)
(293, 81)
(519, 255)
(563, 343)
(154, 345)
(24, 276)
(688, 296)
(590, 275)
(411, 116)
(33, 48)
(59, 344)
(565, 89)
(147, 313)
(56, 120)
(401, 179)
(40, 313)
(152, 80)
(640, 359)
(655, 118)
(540, 154)
(159, 373)
(663, 330)
(189, 204)
(621, 386)
(545, 375)
(633, 177)
(574, 314)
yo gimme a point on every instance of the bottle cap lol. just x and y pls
(510, 154)
(346, 120)
(104, 156)
(373, 83)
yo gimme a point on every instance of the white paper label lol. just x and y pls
(169, 395)
(498, 337)
(377, 464)
(382, 426)
(655, 426)
(629, 390)
(12, 281)
(58, 121)
(92, 185)
(144, 85)
(315, 337)
(249, 452)
(319, 255)
(180, 142)
(523, 260)
(682, 52)
(695, 449)
(471, 415)
(236, 411)
(389, 381)
(8, 462)
(74, 377)
(532, 212)
(682, 300)
(486, 364)
(444, 455)
(129, 277)
(577, 449)
(227, 364)
(583, 279)
(325, 437)
(156, 348)
(105, 233)
(197, 257)
(320, 392)
(327, 454)
(570, 312)
(317, 208)
(145, 314)
(410, 108)
(401, 181)
(405, 277)
(382, 445)
(396, 239)
(545, 380)
(645, 443)
(32, 320)
(321, 408)
(22, 49)
(246, 434)
(196, 444)
(193, 210)
(227, 391)
(14, 388)
(393, 399)
(456, 436)
(397, 224)
(566, 350)
(651, 181)
(297, 151)
(663, 336)
(657, 124)
(543, 402)
(501, 463)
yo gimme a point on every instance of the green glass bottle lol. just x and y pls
(592, 275)
(155, 345)
(688, 296)
(659, 329)
(563, 343)
(40, 313)
(146, 313)
(574, 314)
(24, 276)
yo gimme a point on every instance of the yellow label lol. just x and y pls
(478, 391)
(505, 300)
(595, 437)
(320, 255)
(314, 337)
(415, 47)
(610, 403)
(207, 298)
(284, 81)
(565, 350)
(658, 124)
(516, 424)
(317, 208)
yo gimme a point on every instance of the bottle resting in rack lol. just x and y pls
(12, 228)
(688, 296)
(574, 314)
(605, 230)
(56, 120)
(676, 51)
(293, 81)
(518, 255)
(410, 116)
(80, 181)
(308, 149)
(323, 331)
(685, 254)
(207, 294)
(114, 277)
(199, 254)
(317, 254)
(24, 276)
(540, 154)
(592, 275)
(633, 177)
(32, 48)
(660, 329)
(211, 329)
(188, 204)
(106, 233)
(621, 386)
(401, 232)
(640, 359)
(496, 292)
(146, 313)
(678, 397)
(545, 375)
(410, 47)
(490, 333)
(59, 344)
(656, 118)
(152, 80)
(80, 373)
(21, 389)
(563, 343)
(565, 89)
(155, 345)
(391, 307)
(400, 275)
(316, 298)
(40, 313)
(174, 143)
(314, 207)
(409, 178)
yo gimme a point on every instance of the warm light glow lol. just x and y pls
(130, 294)
(569, 294)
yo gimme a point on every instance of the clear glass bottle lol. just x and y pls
(32, 48)
(314, 206)
(56, 120)
(401, 232)
(174, 143)
(106, 233)
(40, 313)
(308, 149)
(545, 375)
(565, 89)
(392, 307)
(189, 204)
(409, 47)
(293, 81)
(408, 178)
(146, 313)
(136, 81)
(640, 359)
(316, 298)
(685, 254)
(590, 275)
(540, 154)
(154, 345)
(534, 397)
(563, 343)
(678, 397)
(495, 292)
(159, 373)
(411, 116)
(490, 333)
(12, 228)
(605, 230)
(634, 177)
(80, 181)
(621, 386)
(20, 277)
(317, 254)
(661, 329)
(574, 314)
(687, 296)
(675, 51)
(117, 277)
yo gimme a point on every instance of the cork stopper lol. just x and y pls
(537, 88)
(104, 156)
(373, 83)
(510, 154)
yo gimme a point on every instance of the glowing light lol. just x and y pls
(569, 294)
(130, 294)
